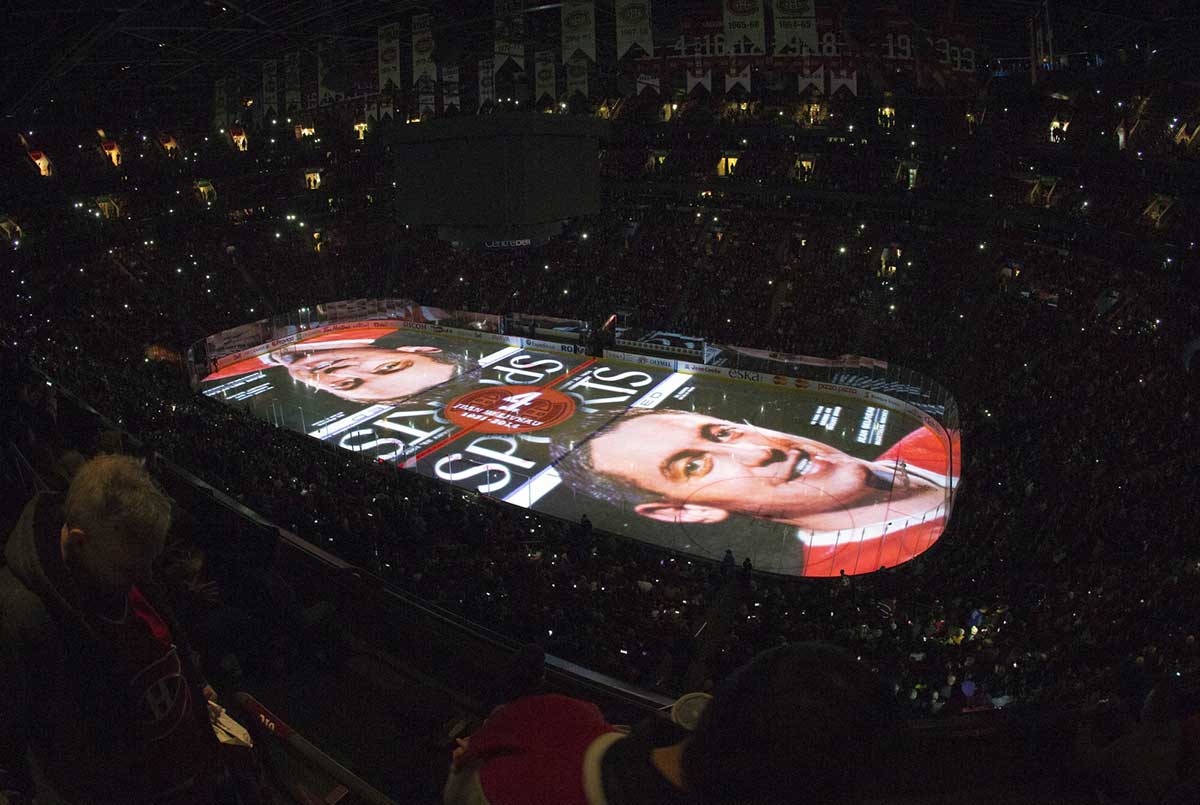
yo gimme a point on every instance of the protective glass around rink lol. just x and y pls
(804, 481)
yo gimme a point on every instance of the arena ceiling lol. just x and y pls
(141, 53)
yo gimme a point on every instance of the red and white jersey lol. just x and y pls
(905, 533)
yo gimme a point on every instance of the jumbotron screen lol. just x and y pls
(803, 481)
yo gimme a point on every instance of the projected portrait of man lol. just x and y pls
(368, 374)
(358, 366)
(690, 468)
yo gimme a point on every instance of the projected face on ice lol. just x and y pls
(691, 468)
(369, 374)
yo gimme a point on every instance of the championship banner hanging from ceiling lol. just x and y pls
(270, 87)
(633, 27)
(325, 60)
(577, 77)
(389, 57)
(427, 97)
(220, 105)
(545, 83)
(422, 49)
(293, 96)
(487, 81)
(745, 29)
(510, 34)
(795, 27)
(450, 91)
(578, 29)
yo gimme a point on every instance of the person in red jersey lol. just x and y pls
(100, 700)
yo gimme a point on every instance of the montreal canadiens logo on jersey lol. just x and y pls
(164, 695)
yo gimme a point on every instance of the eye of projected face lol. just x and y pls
(719, 433)
(696, 466)
(392, 366)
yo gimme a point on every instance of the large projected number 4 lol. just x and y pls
(516, 402)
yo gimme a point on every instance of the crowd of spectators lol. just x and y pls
(1070, 570)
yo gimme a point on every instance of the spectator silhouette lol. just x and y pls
(793, 716)
(97, 682)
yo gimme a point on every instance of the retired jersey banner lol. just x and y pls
(270, 86)
(646, 81)
(812, 77)
(487, 81)
(510, 34)
(450, 91)
(293, 97)
(698, 77)
(545, 83)
(633, 27)
(578, 29)
(577, 77)
(844, 77)
(389, 57)
(422, 49)
(745, 30)
(737, 78)
(795, 27)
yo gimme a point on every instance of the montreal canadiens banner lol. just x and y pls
(424, 70)
(450, 89)
(293, 96)
(270, 86)
(487, 82)
(633, 26)
(389, 57)
(220, 105)
(812, 77)
(578, 29)
(804, 478)
(577, 77)
(545, 84)
(795, 27)
(843, 77)
(698, 77)
(737, 78)
(510, 34)
(326, 59)
(745, 30)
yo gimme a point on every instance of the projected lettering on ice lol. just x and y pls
(826, 416)
(870, 430)
(510, 409)
(802, 480)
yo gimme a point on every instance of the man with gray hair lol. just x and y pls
(100, 700)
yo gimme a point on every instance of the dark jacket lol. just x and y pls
(61, 699)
